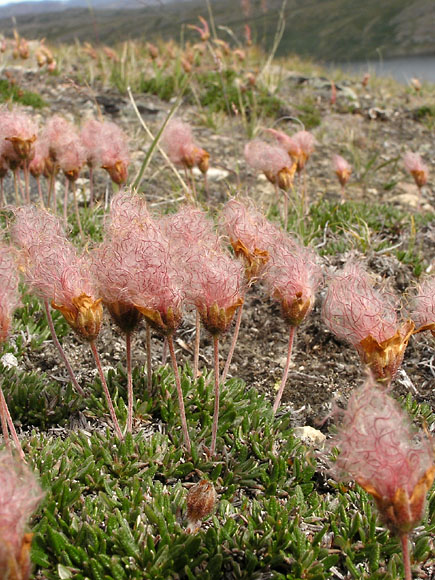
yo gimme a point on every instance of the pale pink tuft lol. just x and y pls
(265, 157)
(353, 309)
(215, 286)
(416, 167)
(9, 296)
(18, 133)
(306, 143)
(71, 156)
(251, 235)
(342, 169)
(178, 143)
(112, 152)
(20, 494)
(293, 276)
(381, 451)
(423, 306)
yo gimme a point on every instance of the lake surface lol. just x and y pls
(402, 69)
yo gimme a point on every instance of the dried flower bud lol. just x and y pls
(201, 501)
(381, 452)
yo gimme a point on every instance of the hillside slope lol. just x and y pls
(323, 29)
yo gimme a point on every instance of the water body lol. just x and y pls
(401, 69)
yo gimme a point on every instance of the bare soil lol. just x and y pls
(380, 124)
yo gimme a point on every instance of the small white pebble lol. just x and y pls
(9, 360)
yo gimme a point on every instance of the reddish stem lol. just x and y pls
(149, 367)
(179, 393)
(129, 383)
(61, 351)
(233, 344)
(286, 369)
(4, 420)
(216, 395)
(405, 554)
(106, 389)
(65, 203)
(8, 418)
(196, 347)
(91, 187)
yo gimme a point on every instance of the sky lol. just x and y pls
(5, 2)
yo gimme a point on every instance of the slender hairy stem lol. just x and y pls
(8, 417)
(91, 187)
(17, 194)
(61, 351)
(4, 420)
(179, 393)
(2, 192)
(286, 369)
(405, 554)
(164, 351)
(149, 363)
(41, 197)
(106, 389)
(216, 395)
(129, 383)
(285, 193)
(197, 341)
(76, 210)
(233, 344)
(26, 181)
(65, 203)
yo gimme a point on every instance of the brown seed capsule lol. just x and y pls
(201, 501)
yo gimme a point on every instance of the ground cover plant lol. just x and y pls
(205, 468)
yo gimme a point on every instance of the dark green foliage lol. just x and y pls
(220, 92)
(117, 509)
(12, 92)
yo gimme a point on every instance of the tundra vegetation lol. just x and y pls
(271, 234)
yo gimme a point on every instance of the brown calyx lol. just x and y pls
(126, 316)
(384, 358)
(402, 512)
(216, 319)
(85, 317)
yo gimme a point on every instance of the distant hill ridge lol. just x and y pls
(323, 29)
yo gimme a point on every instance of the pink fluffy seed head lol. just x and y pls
(19, 132)
(9, 296)
(293, 277)
(355, 311)
(187, 228)
(56, 134)
(214, 285)
(54, 270)
(37, 166)
(423, 306)
(178, 143)
(20, 495)
(381, 451)
(288, 143)
(128, 211)
(176, 140)
(267, 158)
(251, 236)
(306, 143)
(416, 167)
(71, 157)
(342, 169)
(113, 151)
